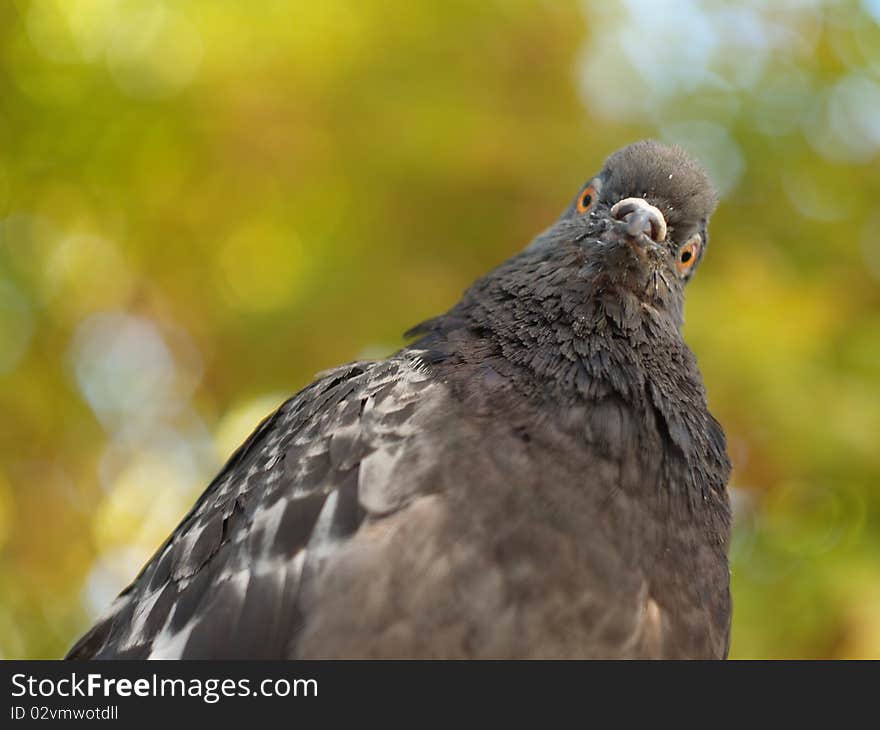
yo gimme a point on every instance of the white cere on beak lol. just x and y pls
(640, 217)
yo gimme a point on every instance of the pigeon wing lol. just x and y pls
(228, 581)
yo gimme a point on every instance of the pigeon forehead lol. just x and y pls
(666, 175)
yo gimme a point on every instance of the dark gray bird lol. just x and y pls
(536, 475)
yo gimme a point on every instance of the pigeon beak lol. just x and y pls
(640, 220)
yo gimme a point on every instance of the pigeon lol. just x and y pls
(535, 476)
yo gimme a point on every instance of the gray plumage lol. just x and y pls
(536, 475)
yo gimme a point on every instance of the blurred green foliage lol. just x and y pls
(204, 203)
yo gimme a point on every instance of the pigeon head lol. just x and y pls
(613, 266)
(641, 222)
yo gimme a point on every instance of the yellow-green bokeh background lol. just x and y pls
(204, 203)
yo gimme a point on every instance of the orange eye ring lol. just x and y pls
(687, 255)
(587, 199)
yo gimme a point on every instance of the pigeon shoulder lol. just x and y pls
(228, 581)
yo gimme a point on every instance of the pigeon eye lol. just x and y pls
(587, 199)
(687, 255)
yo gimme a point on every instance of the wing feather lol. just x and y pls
(228, 580)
